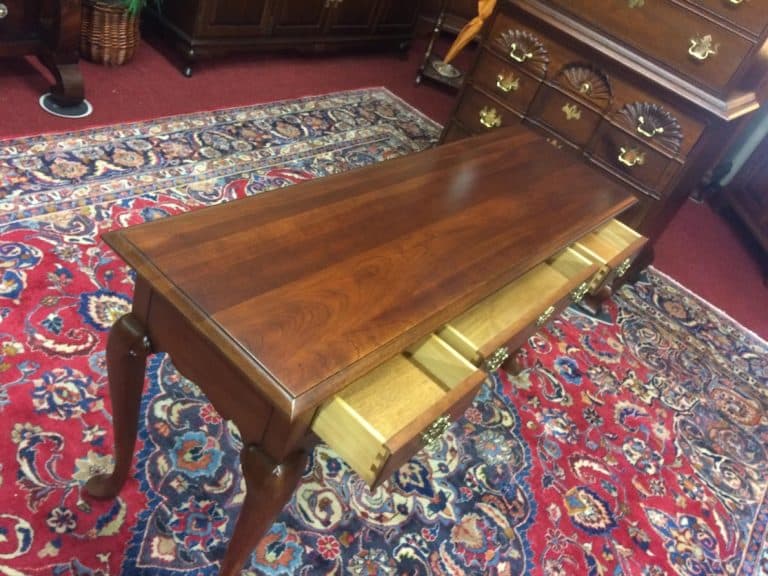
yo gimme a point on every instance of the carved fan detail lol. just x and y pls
(588, 82)
(524, 48)
(652, 122)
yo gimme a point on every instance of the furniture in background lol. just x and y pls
(650, 91)
(747, 195)
(456, 13)
(442, 70)
(372, 328)
(204, 27)
(51, 31)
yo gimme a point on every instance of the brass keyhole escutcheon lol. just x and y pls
(571, 111)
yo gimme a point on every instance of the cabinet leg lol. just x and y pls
(269, 486)
(68, 89)
(127, 351)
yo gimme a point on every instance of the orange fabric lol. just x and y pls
(471, 29)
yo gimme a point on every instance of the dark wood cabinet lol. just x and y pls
(51, 31)
(205, 27)
(650, 91)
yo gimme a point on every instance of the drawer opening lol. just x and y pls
(510, 312)
(365, 422)
(613, 240)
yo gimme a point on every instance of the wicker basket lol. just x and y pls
(108, 33)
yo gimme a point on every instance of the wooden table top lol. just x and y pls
(309, 287)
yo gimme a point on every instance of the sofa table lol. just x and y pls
(288, 307)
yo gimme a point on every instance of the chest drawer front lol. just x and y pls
(570, 118)
(751, 15)
(381, 420)
(479, 113)
(613, 247)
(486, 333)
(682, 41)
(518, 44)
(632, 159)
(506, 81)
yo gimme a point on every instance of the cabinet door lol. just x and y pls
(397, 15)
(234, 17)
(21, 20)
(352, 16)
(300, 17)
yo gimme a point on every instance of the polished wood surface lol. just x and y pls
(318, 285)
(275, 303)
(51, 31)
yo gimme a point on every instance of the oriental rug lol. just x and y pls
(631, 443)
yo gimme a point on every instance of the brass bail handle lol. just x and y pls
(507, 83)
(631, 157)
(518, 53)
(702, 47)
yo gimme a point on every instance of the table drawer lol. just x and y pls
(506, 81)
(486, 333)
(681, 40)
(751, 15)
(381, 420)
(612, 247)
(633, 159)
(479, 113)
(571, 119)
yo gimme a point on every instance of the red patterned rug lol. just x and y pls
(632, 443)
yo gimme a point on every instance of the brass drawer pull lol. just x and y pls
(622, 268)
(495, 360)
(546, 315)
(735, 2)
(431, 435)
(578, 294)
(702, 47)
(644, 131)
(571, 111)
(631, 157)
(490, 118)
(508, 82)
(518, 53)
(3, 11)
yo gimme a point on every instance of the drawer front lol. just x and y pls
(505, 81)
(574, 71)
(686, 43)
(19, 18)
(632, 159)
(519, 45)
(381, 420)
(751, 15)
(573, 120)
(488, 332)
(613, 247)
(479, 113)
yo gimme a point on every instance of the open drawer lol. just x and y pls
(486, 333)
(379, 421)
(612, 247)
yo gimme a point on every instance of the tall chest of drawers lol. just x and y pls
(650, 91)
